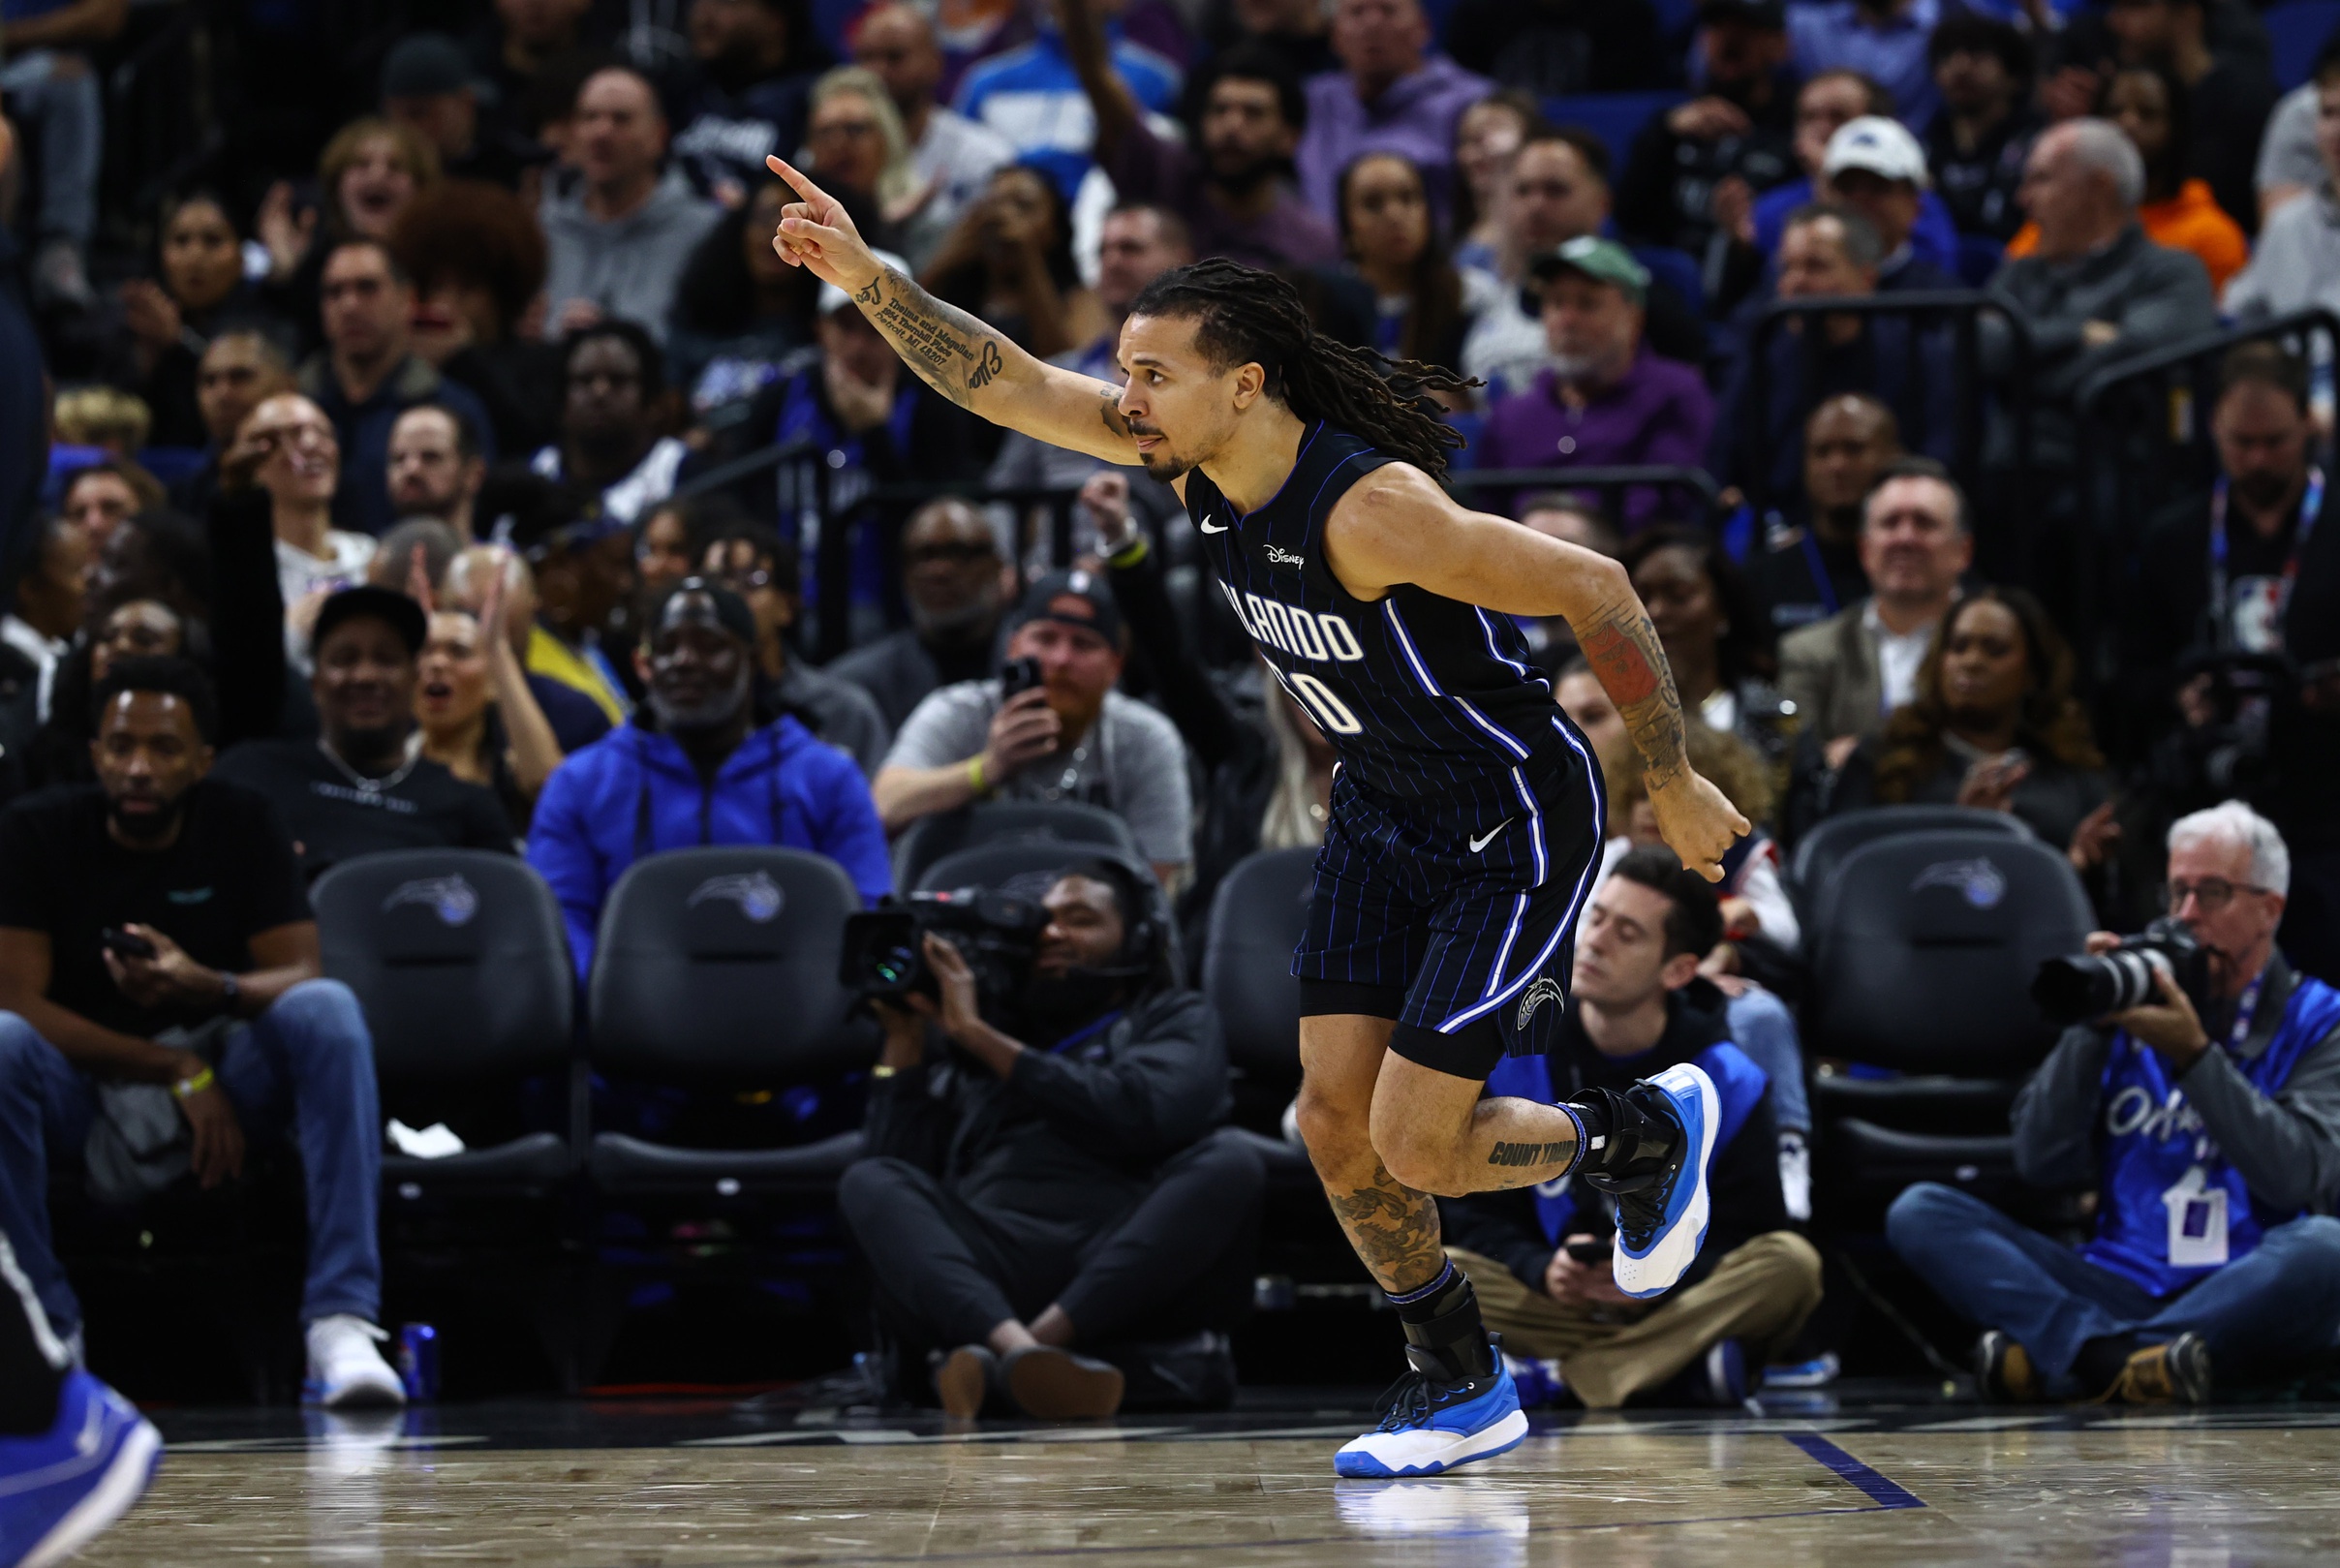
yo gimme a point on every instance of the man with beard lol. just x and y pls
(1069, 737)
(237, 372)
(158, 964)
(1237, 200)
(1807, 572)
(435, 468)
(954, 582)
(610, 420)
(748, 98)
(692, 768)
(1059, 1186)
(363, 785)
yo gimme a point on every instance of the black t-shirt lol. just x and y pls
(1978, 185)
(1803, 579)
(333, 820)
(229, 875)
(2174, 598)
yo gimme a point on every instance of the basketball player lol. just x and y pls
(1466, 814)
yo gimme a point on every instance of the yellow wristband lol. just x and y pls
(975, 774)
(1128, 555)
(186, 1088)
(881, 1070)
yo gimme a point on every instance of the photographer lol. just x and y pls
(1538, 1258)
(2209, 1124)
(1024, 1197)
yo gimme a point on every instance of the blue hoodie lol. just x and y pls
(782, 786)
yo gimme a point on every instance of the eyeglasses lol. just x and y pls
(740, 582)
(2209, 895)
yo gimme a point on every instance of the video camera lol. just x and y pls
(2089, 985)
(884, 957)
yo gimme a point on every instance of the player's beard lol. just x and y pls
(1162, 462)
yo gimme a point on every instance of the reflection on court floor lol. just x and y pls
(686, 1483)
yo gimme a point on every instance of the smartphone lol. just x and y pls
(125, 944)
(1590, 1249)
(1019, 676)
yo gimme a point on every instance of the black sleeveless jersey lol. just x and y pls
(1424, 698)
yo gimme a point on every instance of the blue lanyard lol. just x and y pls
(2243, 1011)
(1822, 583)
(2310, 508)
(1091, 1029)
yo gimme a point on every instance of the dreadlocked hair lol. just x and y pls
(1243, 316)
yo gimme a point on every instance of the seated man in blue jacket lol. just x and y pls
(1062, 1185)
(2209, 1126)
(1538, 1257)
(692, 768)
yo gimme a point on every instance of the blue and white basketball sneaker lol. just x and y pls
(60, 1490)
(1661, 1199)
(1437, 1420)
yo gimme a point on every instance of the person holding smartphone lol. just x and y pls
(1541, 1259)
(1051, 726)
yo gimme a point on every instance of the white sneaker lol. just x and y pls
(345, 1368)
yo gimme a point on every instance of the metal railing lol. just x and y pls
(1951, 316)
(811, 471)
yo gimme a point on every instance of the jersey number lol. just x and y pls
(1328, 711)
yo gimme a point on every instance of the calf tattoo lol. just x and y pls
(1394, 1229)
(1505, 1154)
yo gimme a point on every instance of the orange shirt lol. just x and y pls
(2190, 221)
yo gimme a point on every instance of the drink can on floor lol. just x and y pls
(418, 1362)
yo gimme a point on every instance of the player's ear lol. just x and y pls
(1250, 381)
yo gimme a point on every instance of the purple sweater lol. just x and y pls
(1415, 117)
(1659, 411)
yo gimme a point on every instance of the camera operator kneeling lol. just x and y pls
(1025, 1197)
(2209, 1124)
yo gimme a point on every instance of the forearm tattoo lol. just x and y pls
(1394, 1229)
(950, 351)
(1623, 652)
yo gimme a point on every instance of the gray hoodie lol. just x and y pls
(628, 268)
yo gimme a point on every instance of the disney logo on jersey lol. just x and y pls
(1302, 633)
(1279, 556)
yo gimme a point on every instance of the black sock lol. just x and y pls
(1442, 1317)
(2102, 1360)
(29, 1384)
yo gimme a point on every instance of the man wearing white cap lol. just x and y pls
(1876, 168)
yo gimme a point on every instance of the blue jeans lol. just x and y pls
(1761, 1026)
(2261, 1315)
(306, 1065)
(58, 93)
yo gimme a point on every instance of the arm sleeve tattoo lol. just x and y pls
(960, 355)
(1623, 651)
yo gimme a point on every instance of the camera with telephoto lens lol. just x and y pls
(885, 958)
(2089, 985)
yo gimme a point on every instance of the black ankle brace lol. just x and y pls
(1625, 1148)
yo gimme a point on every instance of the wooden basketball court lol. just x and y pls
(1843, 1480)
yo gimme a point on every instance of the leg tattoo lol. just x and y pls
(1394, 1229)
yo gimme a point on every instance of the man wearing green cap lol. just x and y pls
(1606, 399)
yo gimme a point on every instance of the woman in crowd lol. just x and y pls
(857, 148)
(1714, 632)
(1422, 306)
(198, 291)
(478, 716)
(365, 177)
(2154, 110)
(1009, 261)
(1995, 724)
(739, 313)
(476, 259)
(666, 551)
(1486, 135)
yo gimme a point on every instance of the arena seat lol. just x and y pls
(1257, 918)
(1617, 118)
(1828, 845)
(717, 968)
(1004, 821)
(2295, 35)
(1922, 956)
(459, 960)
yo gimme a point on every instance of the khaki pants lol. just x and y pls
(1761, 1293)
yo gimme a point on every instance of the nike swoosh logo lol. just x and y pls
(1208, 529)
(1489, 837)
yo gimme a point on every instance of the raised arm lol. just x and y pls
(1397, 526)
(964, 360)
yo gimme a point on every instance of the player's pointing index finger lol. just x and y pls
(803, 186)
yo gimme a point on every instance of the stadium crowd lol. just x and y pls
(470, 472)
